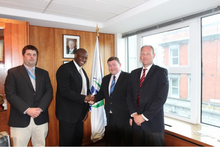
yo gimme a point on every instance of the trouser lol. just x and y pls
(145, 138)
(119, 136)
(37, 133)
(70, 134)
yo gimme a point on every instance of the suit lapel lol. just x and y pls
(137, 78)
(150, 72)
(87, 81)
(118, 83)
(75, 73)
(108, 82)
(38, 78)
(24, 73)
(119, 80)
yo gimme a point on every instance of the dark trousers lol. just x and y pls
(70, 134)
(119, 136)
(145, 138)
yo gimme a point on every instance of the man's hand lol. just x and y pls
(90, 99)
(33, 112)
(130, 121)
(138, 119)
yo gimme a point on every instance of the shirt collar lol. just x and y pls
(117, 75)
(77, 66)
(148, 67)
(29, 67)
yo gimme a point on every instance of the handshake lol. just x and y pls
(90, 99)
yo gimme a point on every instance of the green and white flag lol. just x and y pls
(98, 117)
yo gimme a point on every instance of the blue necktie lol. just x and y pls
(112, 86)
(111, 92)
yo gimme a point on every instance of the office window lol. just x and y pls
(178, 102)
(174, 87)
(190, 51)
(211, 70)
(132, 52)
(174, 54)
(171, 49)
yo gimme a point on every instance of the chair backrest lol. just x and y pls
(4, 139)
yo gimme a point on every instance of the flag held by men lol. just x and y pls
(98, 117)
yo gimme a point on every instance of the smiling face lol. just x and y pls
(30, 58)
(147, 55)
(71, 44)
(114, 67)
(81, 57)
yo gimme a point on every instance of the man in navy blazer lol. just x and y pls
(28, 89)
(71, 99)
(115, 104)
(146, 102)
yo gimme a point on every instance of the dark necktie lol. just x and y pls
(140, 84)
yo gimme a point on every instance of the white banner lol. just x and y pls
(98, 117)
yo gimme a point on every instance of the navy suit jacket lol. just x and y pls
(153, 95)
(70, 105)
(21, 95)
(119, 105)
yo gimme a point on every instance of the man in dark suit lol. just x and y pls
(71, 99)
(115, 104)
(147, 93)
(28, 89)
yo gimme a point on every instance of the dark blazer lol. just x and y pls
(119, 105)
(70, 105)
(21, 95)
(153, 95)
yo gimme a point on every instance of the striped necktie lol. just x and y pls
(140, 84)
(112, 86)
(111, 92)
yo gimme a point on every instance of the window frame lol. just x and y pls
(194, 52)
(170, 94)
(171, 48)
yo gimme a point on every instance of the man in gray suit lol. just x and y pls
(28, 89)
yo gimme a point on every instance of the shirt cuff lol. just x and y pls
(145, 117)
(133, 113)
(26, 110)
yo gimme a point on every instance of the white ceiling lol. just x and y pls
(112, 16)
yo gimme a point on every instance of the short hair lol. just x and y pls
(148, 46)
(71, 40)
(29, 47)
(80, 49)
(114, 58)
